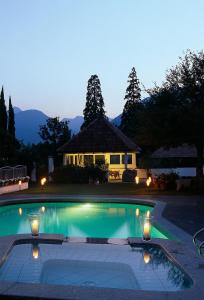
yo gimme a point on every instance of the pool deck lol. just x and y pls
(181, 250)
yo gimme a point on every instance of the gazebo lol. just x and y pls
(101, 143)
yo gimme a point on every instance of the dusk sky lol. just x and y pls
(50, 48)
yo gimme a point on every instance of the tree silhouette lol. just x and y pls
(94, 107)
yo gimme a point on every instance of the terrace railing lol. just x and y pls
(7, 173)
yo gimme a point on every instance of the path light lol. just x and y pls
(35, 251)
(148, 181)
(42, 182)
(147, 229)
(34, 224)
(146, 257)
(20, 211)
(137, 212)
(137, 179)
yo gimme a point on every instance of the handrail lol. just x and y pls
(195, 236)
(7, 172)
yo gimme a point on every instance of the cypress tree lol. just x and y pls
(11, 121)
(3, 112)
(94, 107)
(132, 105)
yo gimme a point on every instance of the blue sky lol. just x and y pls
(50, 48)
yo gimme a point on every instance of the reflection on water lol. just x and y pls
(105, 220)
(146, 267)
(157, 259)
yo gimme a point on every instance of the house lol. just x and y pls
(181, 159)
(101, 143)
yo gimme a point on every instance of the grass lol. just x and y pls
(93, 189)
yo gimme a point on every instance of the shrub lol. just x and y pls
(129, 175)
(166, 181)
(76, 174)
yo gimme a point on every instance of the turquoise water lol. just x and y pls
(99, 220)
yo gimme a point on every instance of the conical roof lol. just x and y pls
(99, 136)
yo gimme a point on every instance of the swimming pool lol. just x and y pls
(97, 220)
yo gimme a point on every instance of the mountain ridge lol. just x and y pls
(28, 122)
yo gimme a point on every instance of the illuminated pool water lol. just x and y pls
(99, 220)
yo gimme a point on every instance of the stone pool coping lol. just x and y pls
(181, 250)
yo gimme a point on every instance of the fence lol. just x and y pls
(8, 172)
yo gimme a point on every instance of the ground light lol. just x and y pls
(42, 182)
(148, 181)
(137, 179)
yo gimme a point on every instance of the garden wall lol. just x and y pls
(13, 188)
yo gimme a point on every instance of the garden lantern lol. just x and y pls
(34, 224)
(148, 181)
(137, 179)
(146, 229)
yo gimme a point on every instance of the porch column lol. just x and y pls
(126, 161)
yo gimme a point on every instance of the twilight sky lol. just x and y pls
(50, 48)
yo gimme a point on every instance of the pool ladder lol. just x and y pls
(197, 244)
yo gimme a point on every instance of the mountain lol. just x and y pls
(27, 125)
(16, 110)
(75, 123)
(117, 120)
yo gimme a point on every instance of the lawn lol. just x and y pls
(93, 189)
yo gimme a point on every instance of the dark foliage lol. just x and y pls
(3, 112)
(76, 174)
(175, 112)
(166, 181)
(133, 106)
(11, 121)
(129, 175)
(94, 101)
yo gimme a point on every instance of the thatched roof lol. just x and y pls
(99, 136)
(176, 152)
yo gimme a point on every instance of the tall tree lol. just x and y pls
(11, 121)
(94, 101)
(133, 105)
(175, 113)
(3, 112)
